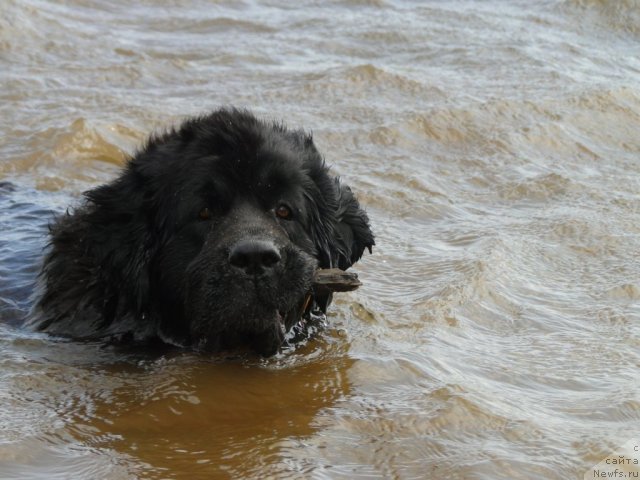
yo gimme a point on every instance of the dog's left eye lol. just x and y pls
(284, 212)
(205, 214)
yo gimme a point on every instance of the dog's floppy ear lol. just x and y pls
(119, 215)
(352, 231)
(98, 252)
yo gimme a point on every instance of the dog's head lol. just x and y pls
(223, 223)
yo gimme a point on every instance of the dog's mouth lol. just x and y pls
(265, 332)
(269, 341)
(289, 328)
(255, 316)
(277, 325)
(262, 333)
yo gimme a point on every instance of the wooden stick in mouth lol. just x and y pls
(329, 280)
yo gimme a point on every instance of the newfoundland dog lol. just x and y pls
(209, 238)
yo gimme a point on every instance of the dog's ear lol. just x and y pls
(96, 253)
(352, 231)
(121, 217)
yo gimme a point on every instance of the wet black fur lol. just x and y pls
(136, 260)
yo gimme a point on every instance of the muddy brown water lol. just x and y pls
(495, 145)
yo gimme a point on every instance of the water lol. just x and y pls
(495, 146)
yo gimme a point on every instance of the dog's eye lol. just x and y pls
(284, 212)
(205, 214)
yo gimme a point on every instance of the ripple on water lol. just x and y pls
(496, 333)
(85, 154)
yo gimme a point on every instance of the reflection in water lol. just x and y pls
(228, 417)
(173, 413)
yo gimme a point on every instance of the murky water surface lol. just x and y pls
(495, 145)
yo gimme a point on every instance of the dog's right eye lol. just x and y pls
(283, 212)
(205, 214)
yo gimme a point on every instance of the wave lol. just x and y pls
(523, 128)
(78, 153)
(367, 81)
(621, 15)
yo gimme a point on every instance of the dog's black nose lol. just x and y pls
(254, 256)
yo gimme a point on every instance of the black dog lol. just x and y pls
(210, 237)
